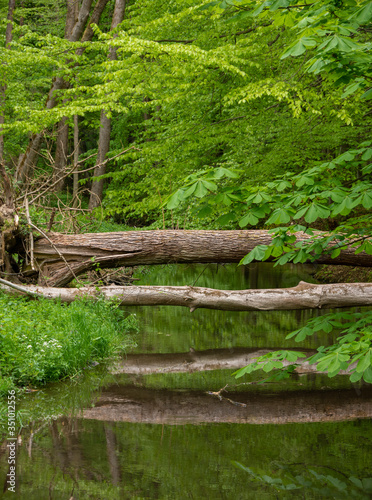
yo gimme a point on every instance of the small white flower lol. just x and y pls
(29, 346)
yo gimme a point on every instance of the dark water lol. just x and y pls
(153, 429)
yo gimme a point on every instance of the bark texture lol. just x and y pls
(138, 404)
(302, 296)
(133, 248)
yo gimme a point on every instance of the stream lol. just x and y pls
(156, 425)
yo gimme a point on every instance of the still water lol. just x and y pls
(156, 425)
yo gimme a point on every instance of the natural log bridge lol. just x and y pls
(302, 296)
(82, 252)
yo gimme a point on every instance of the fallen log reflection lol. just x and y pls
(195, 361)
(136, 404)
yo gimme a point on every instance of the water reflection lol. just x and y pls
(147, 431)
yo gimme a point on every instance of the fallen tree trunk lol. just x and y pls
(302, 296)
(83, 252)
(137, 404)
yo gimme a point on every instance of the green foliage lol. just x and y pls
(42, 341)
(351, 352)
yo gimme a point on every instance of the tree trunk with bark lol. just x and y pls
(84, 252)
(105, 122)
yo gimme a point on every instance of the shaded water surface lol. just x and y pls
(170, 422)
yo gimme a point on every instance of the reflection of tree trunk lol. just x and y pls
(302, 296)
(58, 450)
(105, 122)
(112, 449)
(133, 404)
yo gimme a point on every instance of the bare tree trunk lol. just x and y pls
(105, 122)
(138, 404)
(75, 189)
(84, 251)
(302, 296)
(60, 160)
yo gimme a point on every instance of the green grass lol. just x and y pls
(43, 341)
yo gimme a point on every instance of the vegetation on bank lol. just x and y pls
(43, 341)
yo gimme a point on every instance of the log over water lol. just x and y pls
(83, 252)
(302, 296)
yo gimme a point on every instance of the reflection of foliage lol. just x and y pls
(58, 399)
(352, 350)
(323, 485)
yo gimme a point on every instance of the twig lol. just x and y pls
(20, 288)
(31, 235)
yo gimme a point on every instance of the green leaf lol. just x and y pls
(175, 199)
(364, 362)
(354, 377)
(367, 95)
(257, 253)
(367, 375)
(200, 190)
(226, 218)
(248, 219)
(315, 211)
(367, 200)
(279, 216)
(363, 15)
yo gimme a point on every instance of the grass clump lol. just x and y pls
(44, 341)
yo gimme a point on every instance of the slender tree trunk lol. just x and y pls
(84, 251)
(60, 160)
(105, 122)
(75, 189)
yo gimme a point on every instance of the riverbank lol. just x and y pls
(44, 341)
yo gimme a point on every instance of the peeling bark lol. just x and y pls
(131, 248)
(302, 296)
